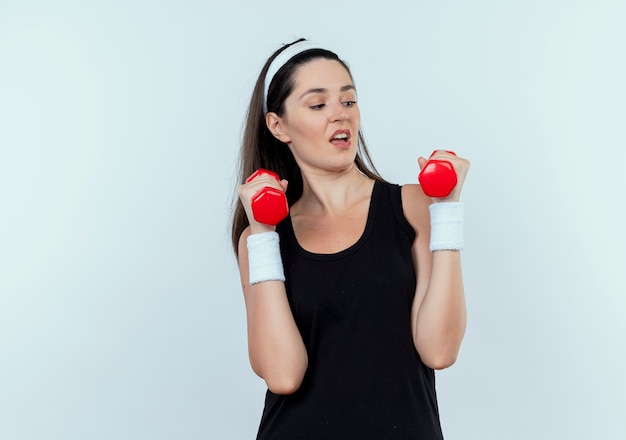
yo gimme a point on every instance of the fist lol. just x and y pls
(263, 198)
(442, 175)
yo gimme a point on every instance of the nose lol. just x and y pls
(339, 113)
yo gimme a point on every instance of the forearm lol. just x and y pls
(277, 352)
(440, 319)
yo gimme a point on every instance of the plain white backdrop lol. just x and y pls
(121, 315)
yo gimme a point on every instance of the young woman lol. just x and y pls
(356, 297)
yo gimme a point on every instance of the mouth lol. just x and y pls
(341, 138)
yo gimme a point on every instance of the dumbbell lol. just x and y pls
(269, 205)
(438, 177)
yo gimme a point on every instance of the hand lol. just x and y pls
(461, 167)
(270, 207)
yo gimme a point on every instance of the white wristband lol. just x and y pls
(264, 261)
(446, 226)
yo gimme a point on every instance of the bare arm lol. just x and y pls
(438, 315)
(277, 352)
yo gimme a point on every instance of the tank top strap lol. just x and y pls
(392, 195)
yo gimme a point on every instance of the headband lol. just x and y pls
(281, 59)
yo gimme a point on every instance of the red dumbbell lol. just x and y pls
(269, 205)
(438, 177)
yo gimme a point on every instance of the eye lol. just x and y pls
(317, 106)
(349, 103)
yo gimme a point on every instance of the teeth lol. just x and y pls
(341, 136)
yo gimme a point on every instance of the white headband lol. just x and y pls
(282, 59)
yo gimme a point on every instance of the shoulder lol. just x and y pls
(415, 207)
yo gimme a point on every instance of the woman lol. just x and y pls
(351, 302)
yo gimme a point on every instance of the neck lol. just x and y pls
(332, 192)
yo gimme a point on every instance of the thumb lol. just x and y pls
(284, 184)
(421, 162)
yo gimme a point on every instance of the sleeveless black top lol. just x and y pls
(365, 379)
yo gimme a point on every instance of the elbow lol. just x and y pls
(437, 357)
(284, 385)
(441, 361)
(287, 381)
(438, 353)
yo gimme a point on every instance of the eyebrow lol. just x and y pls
(323, 90)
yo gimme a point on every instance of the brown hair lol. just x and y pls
(260, 149)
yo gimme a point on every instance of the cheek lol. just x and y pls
(355, 114)
(310, 128)
(356, 119)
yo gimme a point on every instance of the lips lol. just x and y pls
(341, 138)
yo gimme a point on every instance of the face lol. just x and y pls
(321, 119)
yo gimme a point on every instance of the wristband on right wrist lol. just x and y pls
(264, 260)
(446, 226)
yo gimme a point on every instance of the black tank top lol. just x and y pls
(365, 379)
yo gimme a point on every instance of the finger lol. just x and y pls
(421, 161)
(443, 155)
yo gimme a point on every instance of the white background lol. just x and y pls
(121, 315)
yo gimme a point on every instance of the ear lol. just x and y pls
(276, 127)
